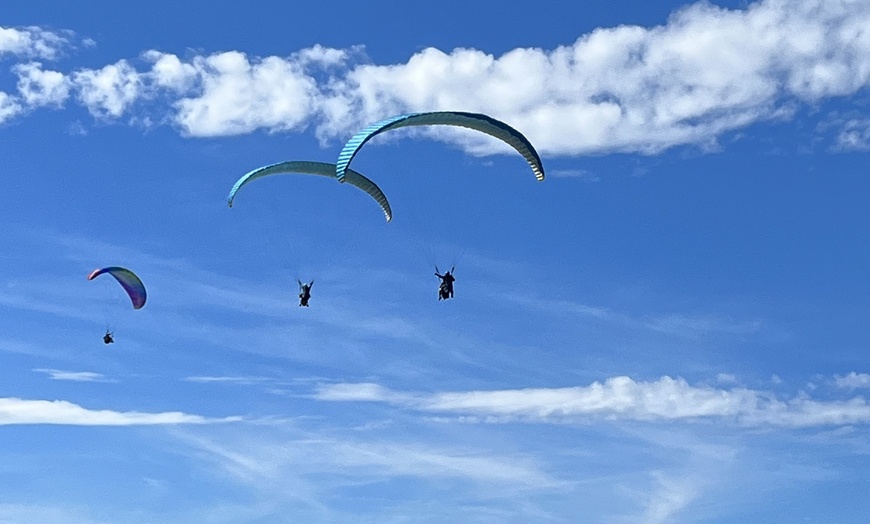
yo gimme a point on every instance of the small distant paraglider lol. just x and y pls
(131, 283)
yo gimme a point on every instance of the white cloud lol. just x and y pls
(582, 174)
(21, 411)
(854, 135)
(696, 326)
(9, 107)
(75, 376)
(39, 87)
(31, 42)
(361, 392)
(707, 71)
(170, 72)
(618, 398)
(671, 495)
(852, 380)
(726, 378)
(244, 381)
(326, 56)
(238, 95)
(306, 471)
(109, 91)
(256, 461)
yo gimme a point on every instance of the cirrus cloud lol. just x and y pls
(16, 411)
(618, 398)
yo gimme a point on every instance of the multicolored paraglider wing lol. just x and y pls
(315, 168)
(476, 121)
(128, 280)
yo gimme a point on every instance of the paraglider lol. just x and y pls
(315, 168)
(478, 122)
(304, 292)
(131, 283)
(445, 289)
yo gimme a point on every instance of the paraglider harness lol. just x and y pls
(107, 338)
(445, 290)
(304, 292)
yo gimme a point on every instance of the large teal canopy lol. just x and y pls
(315, 168)
(476, 121)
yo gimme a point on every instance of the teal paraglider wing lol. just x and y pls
(478, 122)
(315, 168)
(131, 283)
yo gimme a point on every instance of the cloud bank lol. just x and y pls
(707, 71)
(74, 376)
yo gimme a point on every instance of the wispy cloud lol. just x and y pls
(243, 381)
(707, 71)
(22, 347)
(696, 468)
(14, 513)
(310, 470)
(9, 107)
(852, 380)
(32, 42)
(854, 135)
(39, 87)
(618, 398)
(21, 411)
(75, 376)
(256, 462)
(696, 326)
(582, 174)
(670, 495)
(686, 325)
(360, 392)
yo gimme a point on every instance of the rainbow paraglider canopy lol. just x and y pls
(129, 281)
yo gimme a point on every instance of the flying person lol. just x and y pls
(107, 338)
(304, 293)
(445, 290)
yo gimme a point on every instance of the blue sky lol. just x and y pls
(670, 328)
